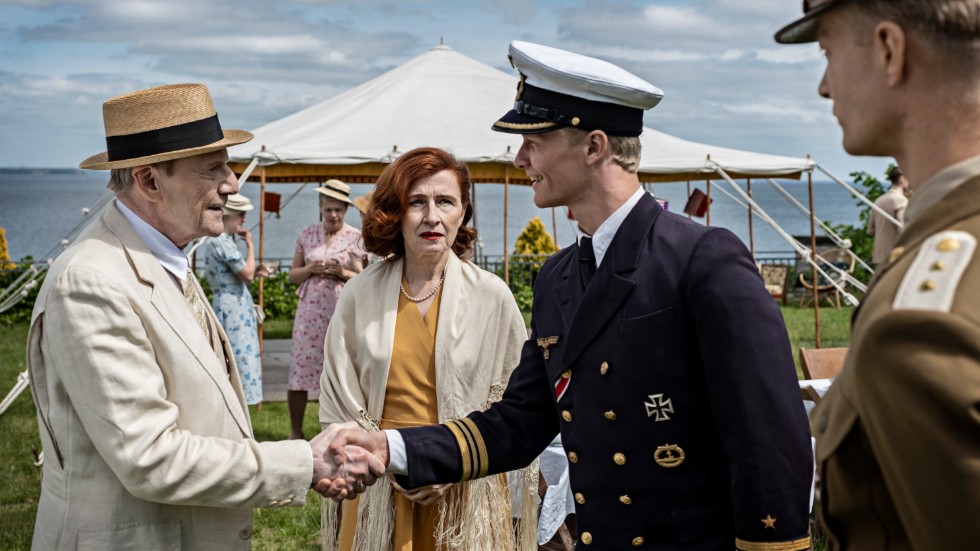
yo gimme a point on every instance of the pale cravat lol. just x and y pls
(193, 299)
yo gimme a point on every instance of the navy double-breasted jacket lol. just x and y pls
(677, 398)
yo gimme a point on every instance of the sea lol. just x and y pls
(40, 208)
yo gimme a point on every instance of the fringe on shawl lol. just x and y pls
(473, 516)
(375, 513)
(375, 520)
(328, 524)
(476, 515)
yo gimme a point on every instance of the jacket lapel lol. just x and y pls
(568, 292)
(612, 283)
(168, 300)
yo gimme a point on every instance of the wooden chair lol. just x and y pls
(822, 363)
(826, 290)
(775, 277)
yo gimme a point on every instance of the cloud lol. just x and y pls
(675, 20)
(725, 80)
(781, 113)
(224, 39)
(788, 55)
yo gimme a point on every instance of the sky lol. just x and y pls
(726, 81)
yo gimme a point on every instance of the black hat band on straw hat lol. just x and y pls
(189, 135)
(336, 190)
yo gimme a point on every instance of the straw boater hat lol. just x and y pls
(237, 203)
(335, 189)
(161, 124)
(363, 202)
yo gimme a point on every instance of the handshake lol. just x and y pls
(347, 459)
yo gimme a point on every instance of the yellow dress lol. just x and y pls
(410, 401)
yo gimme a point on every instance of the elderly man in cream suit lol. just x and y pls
(146, 434)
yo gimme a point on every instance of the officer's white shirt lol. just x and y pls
(397, 455)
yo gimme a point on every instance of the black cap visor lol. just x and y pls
(538, 110)
(804, 29)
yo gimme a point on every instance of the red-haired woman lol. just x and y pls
(420, 338)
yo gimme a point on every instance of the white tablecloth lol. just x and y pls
(821, 386)
(558, 500)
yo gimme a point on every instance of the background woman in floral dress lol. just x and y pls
(229, 272)
(327, 255)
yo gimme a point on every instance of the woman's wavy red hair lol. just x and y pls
(382, 231)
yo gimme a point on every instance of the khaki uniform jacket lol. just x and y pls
(146, 436)
(898, 434)
(884, 231)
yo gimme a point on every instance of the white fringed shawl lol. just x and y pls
(478, 343)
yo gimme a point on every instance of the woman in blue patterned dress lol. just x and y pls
(229, 273)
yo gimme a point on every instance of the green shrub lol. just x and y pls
(22, 310)
(531, 251)
(279, 296)
(534, 239)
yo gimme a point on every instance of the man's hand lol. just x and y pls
(360, 457)
(347, 470)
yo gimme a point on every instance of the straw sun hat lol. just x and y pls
(237, 203)
(335, 189)
(363, 202)
(160, 124)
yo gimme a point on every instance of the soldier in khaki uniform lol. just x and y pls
(898, 435)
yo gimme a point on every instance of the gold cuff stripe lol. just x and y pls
(801, 544)
(466, 457)
(474, 451)
(481, 447)
(528, 126)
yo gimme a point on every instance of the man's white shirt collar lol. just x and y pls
(170, 257)
(603, 236)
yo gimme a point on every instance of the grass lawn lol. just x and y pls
(288, 529)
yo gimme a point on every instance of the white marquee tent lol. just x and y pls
(445, 99)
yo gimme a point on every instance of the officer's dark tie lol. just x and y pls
(586, 261)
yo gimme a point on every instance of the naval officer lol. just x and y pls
(898, 434)
(655, 349)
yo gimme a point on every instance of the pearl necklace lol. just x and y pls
(427, 295)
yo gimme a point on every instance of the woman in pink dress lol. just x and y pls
(327, 256)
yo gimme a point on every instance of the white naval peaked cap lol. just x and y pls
(560, 88)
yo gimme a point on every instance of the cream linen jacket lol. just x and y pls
(146, 436)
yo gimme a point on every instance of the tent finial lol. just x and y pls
(394, 148)
(441, 43)
(263, 148)
(508, 149)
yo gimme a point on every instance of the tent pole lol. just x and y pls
(506, 203)
(688, 196)
(707, 213)
(261, 254)
(813, 256)
(748, 185)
